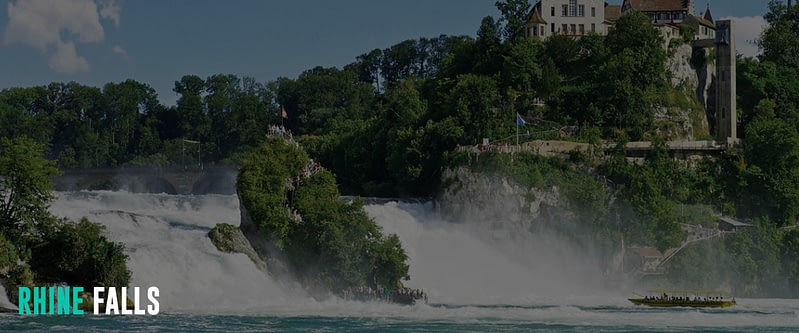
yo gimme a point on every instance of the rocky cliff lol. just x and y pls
(685, 110)
(497, 204)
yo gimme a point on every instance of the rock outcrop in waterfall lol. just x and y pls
(293, 219)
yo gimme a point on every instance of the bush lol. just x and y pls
(688, 32)
(78, 254)
(8, 255)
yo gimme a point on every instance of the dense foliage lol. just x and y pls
(331, 244)
(49, 250)
(79, 254)
(381, 123)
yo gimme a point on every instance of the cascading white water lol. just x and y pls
(461, 263)
(5, 303)
(166, 239)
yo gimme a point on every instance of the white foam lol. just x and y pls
(165, 236)
(5, 303)
(166, 239)
(456, 265)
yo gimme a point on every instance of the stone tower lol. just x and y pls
(726, 115)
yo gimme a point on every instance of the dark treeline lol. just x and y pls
(381, 123)
(123, 123)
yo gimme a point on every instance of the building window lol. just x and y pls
(593, 11)
(723, 113)
(565, 29)
(543, 29)
(572, 7)
(574, 28)
(564, 10)
(581, 10)
(552, 28)
(535, 31)
(593, 27)
(582, 29)
(552, 12)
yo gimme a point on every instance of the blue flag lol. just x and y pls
(520, 121)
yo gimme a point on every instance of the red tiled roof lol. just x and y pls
(612, 13)
(701, 21)
(708, 16)
(535, 15)
(659, 5)
(536, 18)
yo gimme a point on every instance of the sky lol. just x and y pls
(94, 42)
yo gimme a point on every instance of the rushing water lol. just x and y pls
(476, 284)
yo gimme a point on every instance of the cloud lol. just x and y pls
(54, 28)
(109, 10)
(66, 60)
(747, 32)
(120, 51)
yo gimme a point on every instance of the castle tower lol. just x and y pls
(726, 115)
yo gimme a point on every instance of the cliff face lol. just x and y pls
(684, 111)
(496, 203)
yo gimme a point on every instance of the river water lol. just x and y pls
(477, 282)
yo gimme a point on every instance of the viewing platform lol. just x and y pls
(554, 148)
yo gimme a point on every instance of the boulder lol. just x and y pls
(230, 239)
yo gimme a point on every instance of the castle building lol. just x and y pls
(668, 15)
(566, 17)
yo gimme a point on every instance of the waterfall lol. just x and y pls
(5, 303)
(459, 262)
(165, 237)
(462, 262)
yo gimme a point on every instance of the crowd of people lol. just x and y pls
(311, 168)
(401, 295)
(279, 130)
(665, 298)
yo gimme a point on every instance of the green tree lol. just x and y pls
(634, 72)
(772, 176)
(514, 15)
(25, 187)
(523, 71)
(486, 50)
(78, 254)
(193, 121)
(780, 40)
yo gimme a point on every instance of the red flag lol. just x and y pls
(283, 113)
